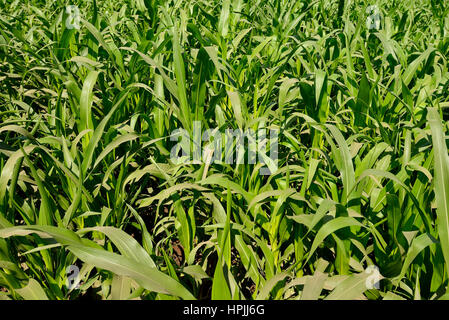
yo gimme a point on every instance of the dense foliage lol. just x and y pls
(361, 188)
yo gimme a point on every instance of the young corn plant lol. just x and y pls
(93, 204)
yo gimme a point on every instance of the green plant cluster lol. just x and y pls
(358, 207)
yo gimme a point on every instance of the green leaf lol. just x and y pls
(362, 102)
(351, 288)
(126, 244)
(417, 246)
(120, 287)
(32, 291)
(441, 186)
(313, 286)
(329, 228)
(149, 278)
